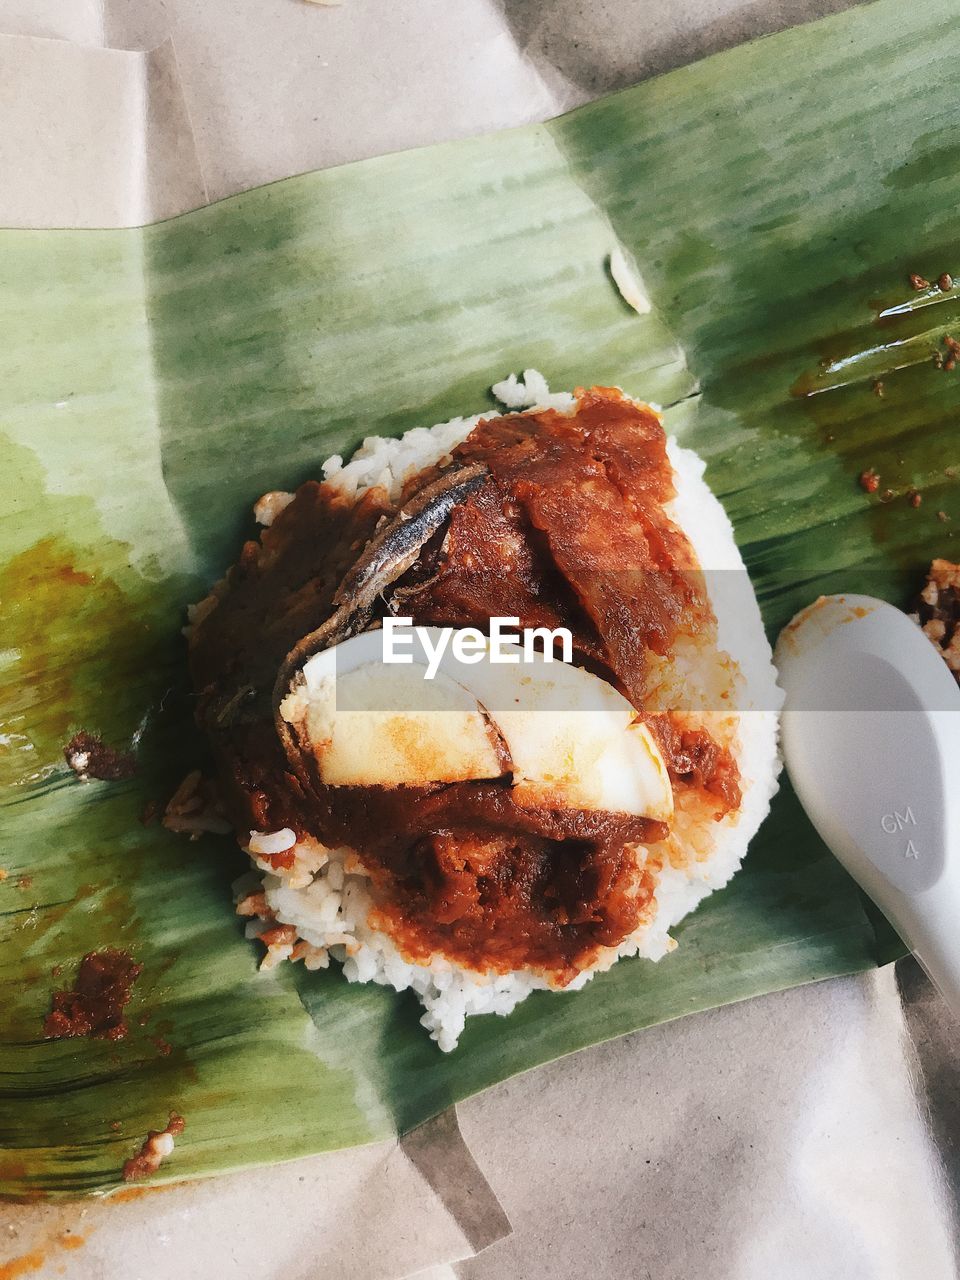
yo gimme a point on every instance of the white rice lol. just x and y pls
(325, 895)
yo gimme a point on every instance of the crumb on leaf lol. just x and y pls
(90, 757)
(938, 611)
(156, 1147)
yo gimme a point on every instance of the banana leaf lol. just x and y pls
(776, 198)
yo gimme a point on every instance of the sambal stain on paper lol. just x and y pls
(38, 1256)
(95, 1005)
(24, 1264)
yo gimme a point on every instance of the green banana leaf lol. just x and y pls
(156, 381)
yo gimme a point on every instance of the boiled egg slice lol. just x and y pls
(568, 737)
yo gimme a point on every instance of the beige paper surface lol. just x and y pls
(776, 1138)
(92, 137)
(277, 87)
(79, 20)
(437, 1149)
(366, 1214)
(785, 1136)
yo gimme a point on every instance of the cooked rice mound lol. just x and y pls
(307, 901)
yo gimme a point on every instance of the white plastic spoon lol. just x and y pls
(871, 738)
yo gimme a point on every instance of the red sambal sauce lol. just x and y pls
(568, 529)
(94, 1005)
(465, 870)
(591, 488)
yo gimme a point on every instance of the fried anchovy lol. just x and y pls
(388, 555)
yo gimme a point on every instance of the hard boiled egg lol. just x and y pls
(569, 739)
